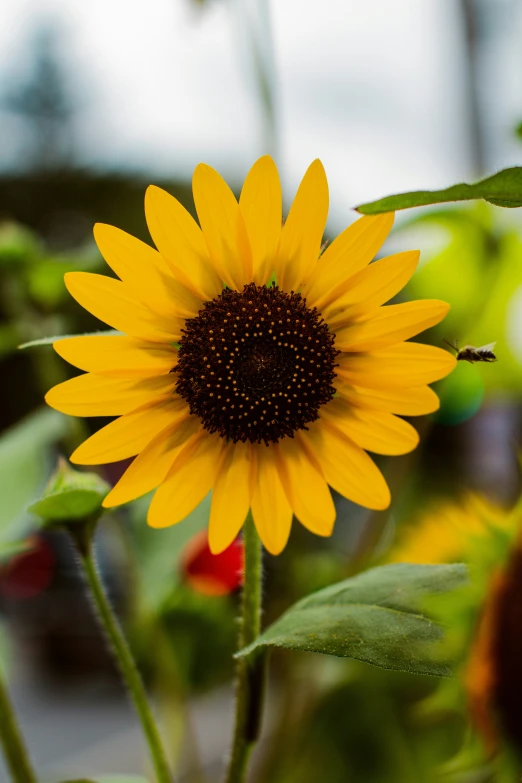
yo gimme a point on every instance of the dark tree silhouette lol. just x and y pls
(44, 103)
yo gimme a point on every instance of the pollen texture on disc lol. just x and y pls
(256, 365)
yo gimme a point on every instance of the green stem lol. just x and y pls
(250, 670)
(124, 659)
(12, 743)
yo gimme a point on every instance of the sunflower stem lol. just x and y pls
(250, 669)
(122, 652)
(15, 752)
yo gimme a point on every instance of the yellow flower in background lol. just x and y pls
(266, 394)
(444, 532)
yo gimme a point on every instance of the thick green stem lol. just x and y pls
(124, 659)
(13, 746)
(250, 670)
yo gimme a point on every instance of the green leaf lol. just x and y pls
(24, 455)
(18, 246)
(503, 189)
(51, 340)
(70, 495)
(376, 617)
(45, 280)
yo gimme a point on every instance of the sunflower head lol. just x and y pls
(247, 361)
(256, 365)
(450, 532)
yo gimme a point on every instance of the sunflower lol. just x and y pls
(248, 363)
(448, 531)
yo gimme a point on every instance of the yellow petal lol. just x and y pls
(114, 303)
(189, 480)
(146, 272)
(346, 467)
(377, 431)
(98, 395)
(231, 496)
(372, 287)
(416, 401)
(129, 434)
(223, 227)
(305, 487)
(261, 206)
(270, 508)
(405, 364)
(152, 464)
(180, 241)
(303, 230)
(391, 324)
(117, 355)
(348, 254)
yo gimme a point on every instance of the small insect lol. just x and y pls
(471, 354)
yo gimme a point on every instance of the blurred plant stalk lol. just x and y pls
(82, 535)
(15, 752)
(250, 673)
(256, 23)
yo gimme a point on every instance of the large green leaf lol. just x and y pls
(504, 189)
(377, 617)
(24, 453)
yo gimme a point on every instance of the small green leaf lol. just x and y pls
(503, 189)
(376, 617)
(70, 495)
(51, 340)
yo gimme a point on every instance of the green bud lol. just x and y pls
(70, 496)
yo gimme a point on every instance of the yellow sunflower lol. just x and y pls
(446, 531)
(265, 393)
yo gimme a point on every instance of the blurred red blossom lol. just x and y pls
(212, 574)
(29, 573)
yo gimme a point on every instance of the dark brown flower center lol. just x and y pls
(256, 365)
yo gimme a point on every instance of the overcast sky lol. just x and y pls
(375, 89)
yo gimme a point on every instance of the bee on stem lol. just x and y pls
(471, 354)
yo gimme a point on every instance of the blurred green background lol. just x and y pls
(96, 102)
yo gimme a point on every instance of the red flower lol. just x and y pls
(29, 573)
(212, 574)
